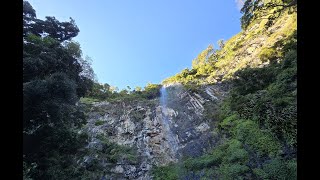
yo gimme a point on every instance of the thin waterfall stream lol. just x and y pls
(165, 121)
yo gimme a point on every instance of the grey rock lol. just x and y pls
(186, 126)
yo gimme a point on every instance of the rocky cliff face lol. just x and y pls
(160, 133)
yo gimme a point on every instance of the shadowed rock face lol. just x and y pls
(161, 132)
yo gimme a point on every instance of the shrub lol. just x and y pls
(269, 54)
(88, 100)
(99, 123)
(277, 169)
(204, 161)
(261, 141)
(170, 172)
(229, 121)
(232, 171)
(114, 152)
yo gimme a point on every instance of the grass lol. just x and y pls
(87, 100)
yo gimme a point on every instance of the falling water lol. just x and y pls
(165, 121)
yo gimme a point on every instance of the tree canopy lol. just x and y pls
(270, 9)
(55, 76)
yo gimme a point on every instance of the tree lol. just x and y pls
(53, 82)
(29, 14)
(73, 48)
(202, 58)
(257, 9)
(114, 89)
(106, 87)
(221, 43)
(185, 72)
(152, 90)
(87, 70)
(129, 89)
(123, 92)
(138, 89)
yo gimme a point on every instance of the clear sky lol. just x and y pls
(133, 42)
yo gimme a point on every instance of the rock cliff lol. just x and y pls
(160, 132)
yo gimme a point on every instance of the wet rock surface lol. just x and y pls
(141, 125)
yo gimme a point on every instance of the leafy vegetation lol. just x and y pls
(259, 116)
(270, 99)
(114, 152)
(249, 48)
(55, 76)
(87, 100)
(99, 123)
(170, 172)
(254, 10)
(138, 114)
(109, 93)
(96, 160)
(261, 142)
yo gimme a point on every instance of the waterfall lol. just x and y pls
(165, 121)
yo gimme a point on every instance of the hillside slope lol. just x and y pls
(255, 47)
(259, 116)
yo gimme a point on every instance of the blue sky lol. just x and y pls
(133, 42)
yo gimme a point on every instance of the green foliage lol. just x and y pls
(277, 168)
(203, 57)
(99, 122)
(53, 82)
(233, 171)
(170, 172)
(261, 141)
(138, 114)
(114, 152)
(236, 153)
(28, 11)
(229, 122)
(87, 100)
(289, 44)
(249, 9)
(94, 168)
(58, 161)
(258, 118)
(152, 91)
(193, 88)
(261, 113)
(202, 66)
(138, 88)
(204, 161)
(209, 113)
(231, 151)
(107, 92)
(269, 98)
(268, 54)
(99, 91)
(267, 46)
(253, 79)
(227, 161)
(221, 43)
(60, 31)
(73, 48)
(258, 9)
